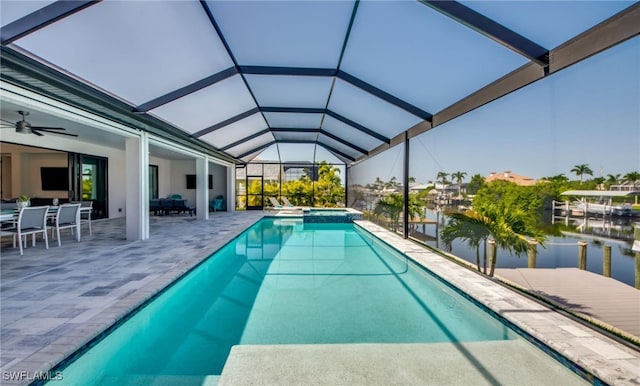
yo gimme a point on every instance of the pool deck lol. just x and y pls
(54, 301)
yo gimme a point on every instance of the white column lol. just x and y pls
(202, 188)
(231, 188)
(137, 187)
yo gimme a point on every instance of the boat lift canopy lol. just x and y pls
(600, 193)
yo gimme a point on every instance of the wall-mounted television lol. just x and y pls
(54, 178)
(191, 181)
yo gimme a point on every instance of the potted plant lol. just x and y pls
(23, 201)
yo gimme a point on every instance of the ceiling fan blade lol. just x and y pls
(37, 133)
(9, 122)
(47, 130)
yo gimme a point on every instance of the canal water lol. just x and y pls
(561, 246)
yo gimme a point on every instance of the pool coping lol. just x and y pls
(606, 359)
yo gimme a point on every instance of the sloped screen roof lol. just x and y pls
(243, 76)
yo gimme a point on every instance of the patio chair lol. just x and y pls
(180, 206)
(275, 203)
(155, 207)
(286, 202)
(31, 221)
(67, 217)
(85, 215)
(217, 204)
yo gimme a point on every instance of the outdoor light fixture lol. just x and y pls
(23, 127)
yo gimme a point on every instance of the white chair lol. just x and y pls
(85, 214)
(286, 202)
(275, 203)
(31, 221)
(67, 217)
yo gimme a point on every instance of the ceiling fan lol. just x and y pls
(24, 127)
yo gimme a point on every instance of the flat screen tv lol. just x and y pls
(53, 178)
(191, 181)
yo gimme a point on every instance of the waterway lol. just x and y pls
(561, 246)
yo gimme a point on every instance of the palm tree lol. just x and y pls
(443, 177)
(632, 177)
(613, 179)
(471, 227)
(378, 183)
(581, 170)
(392, 183)
(509, 228)
(459, 176)
(391, 206)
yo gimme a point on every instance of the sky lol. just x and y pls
(588, 113)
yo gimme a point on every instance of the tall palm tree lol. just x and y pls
(459, 176)
(442, 176)
(581, 170)
(378, 183)
(392, 183)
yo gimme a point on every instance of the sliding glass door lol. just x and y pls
(89, 182)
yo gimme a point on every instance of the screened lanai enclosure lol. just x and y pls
(393, 95)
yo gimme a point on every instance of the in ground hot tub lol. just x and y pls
(331, 215)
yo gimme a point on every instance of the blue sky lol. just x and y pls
(586, 114)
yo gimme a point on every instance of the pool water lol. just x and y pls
(282, 282)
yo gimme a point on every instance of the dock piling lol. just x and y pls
(606, 261)
(582, 255)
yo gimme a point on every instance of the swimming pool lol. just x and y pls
(283, 282)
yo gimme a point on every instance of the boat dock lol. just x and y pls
(597, 202)
(589, 294)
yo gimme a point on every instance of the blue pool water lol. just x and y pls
(282, 281)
